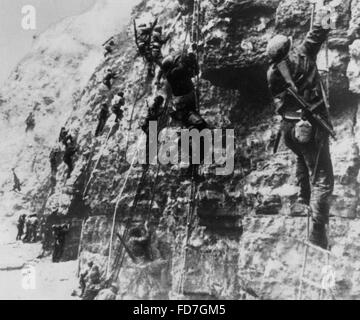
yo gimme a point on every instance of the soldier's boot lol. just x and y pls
(300, 208)
(318, 236)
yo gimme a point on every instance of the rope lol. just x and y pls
(97, 162)
(117, 206)
(133, 112)
(187, 233)
(121, 256)
(325, 93)
(192, 205)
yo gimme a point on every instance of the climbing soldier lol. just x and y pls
(179, 71)
(143, 39)
(59, 232)
(116, 106)
(54, 160)
(154, 113)
(70, 151)
(17, 184)
(293, 76)
(157, 42)
(108, 46)
(103, 116)
(109, 77)
(63, 134)
(30, 122)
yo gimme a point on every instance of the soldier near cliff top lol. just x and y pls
(294, 70)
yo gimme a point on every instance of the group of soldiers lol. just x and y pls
(117, 104)
(28, 228)
(149, 39)
(293, 78)
(299, 96)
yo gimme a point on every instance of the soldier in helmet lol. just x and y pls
(144, 39)
(109, 46)
(116, 106)
(157, 42)
(103, 116)
(296, 68)
(54, 160)
(178, 72)
(109, 77)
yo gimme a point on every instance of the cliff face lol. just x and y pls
(242, 242)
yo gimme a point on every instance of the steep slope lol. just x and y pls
(242, 242)
(49, 81)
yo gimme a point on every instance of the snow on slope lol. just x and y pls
(49, 79)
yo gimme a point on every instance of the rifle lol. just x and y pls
(108, 40)
(136, 34)
(277, 141)
(311, 115)
(132, 257)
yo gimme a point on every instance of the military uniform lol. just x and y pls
(60, 232)
(116, 104)
(179, 77)
(20, 227)
(70, 150)
(301, 64)
(103, 116)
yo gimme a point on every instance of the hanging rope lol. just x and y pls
(97, 162)
(121, 255)
(192, 196)
(118, 203)
(136, 100)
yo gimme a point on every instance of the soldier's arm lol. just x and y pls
(159, 76)
(315, 38)
(276, 90)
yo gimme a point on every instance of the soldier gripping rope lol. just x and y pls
(296, 86)
(116, 106)
(103, 116)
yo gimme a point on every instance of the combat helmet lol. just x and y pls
(278, 48)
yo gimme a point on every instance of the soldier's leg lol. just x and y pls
(61, 250)
(322, 188)
(55, 253)
(303, 181)
(323, 185)
(302, 169)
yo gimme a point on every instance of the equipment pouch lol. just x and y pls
(303, 131)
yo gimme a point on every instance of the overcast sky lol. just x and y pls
(16, 42)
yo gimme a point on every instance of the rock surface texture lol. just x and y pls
(242, 242)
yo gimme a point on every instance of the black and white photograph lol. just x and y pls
(182, 151)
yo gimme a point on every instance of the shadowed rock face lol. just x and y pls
(242, 242)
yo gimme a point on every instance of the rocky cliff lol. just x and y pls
(242, 242)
